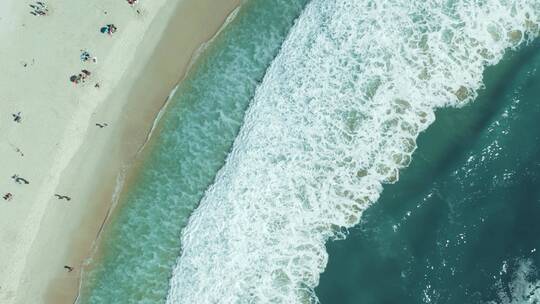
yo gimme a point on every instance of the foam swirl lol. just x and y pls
(521, 288)
(336, 116)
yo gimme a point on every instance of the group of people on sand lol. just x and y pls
(85, 56)
(17, 117)
(108, 29)
(81, 77)
(84, 74)
(39, 9)
(19, 180)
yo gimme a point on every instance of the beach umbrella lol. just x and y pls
(73, 78)
(85, 56)
(104, 29)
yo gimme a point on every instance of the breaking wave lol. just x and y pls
(336, 116)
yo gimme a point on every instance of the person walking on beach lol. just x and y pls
(19, 180)
(17, 117)
(61, 197)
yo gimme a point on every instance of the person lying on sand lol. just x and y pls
(8, 196)
(69, 268)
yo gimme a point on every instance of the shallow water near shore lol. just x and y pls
(142, 242)
(462, 224)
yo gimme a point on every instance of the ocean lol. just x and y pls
(281, 140)
(462, 224)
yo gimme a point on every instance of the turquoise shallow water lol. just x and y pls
(142, 243)
(462, 224)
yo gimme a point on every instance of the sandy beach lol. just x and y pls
(65, 147)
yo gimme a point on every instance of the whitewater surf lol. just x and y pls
(335, 117)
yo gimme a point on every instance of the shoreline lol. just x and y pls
(127, 176)
(157, 95)
(94, 166)
(193, 60)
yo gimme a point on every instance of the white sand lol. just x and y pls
(64, 151)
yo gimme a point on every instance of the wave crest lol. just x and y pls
(336, 116)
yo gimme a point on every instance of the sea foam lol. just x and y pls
(336, 116)
(521, 289)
